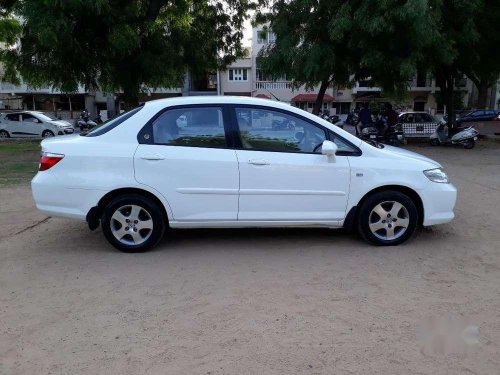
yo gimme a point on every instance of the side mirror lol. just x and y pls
(329, 149)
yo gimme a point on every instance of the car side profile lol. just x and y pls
(32, 124)
(196, 162)
(479, 115)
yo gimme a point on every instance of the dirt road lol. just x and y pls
(251, 301)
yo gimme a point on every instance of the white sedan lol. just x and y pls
(32, 124)
(236, 162)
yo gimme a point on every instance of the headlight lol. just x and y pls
(61, 126)
(437, 175)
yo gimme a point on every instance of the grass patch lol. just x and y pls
(18, 162)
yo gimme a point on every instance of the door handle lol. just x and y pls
(153, 157)
(258, 162)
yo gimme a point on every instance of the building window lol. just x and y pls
(271, 37)
(261, 36)
(418, 106)
(238, 74)
(310, 105)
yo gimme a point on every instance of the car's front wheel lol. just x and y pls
(47, 134)
(4, 134)
(387, 218)
(133, 223)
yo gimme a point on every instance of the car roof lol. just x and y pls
(404, 113)
(215, 99)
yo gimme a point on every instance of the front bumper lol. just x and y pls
(66, 131)
(439, 201)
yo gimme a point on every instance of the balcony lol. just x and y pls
(270, 85)
(420, 84)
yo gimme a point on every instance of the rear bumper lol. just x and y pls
(439, 202)
(55, 200)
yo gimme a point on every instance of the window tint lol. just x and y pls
(192, 127)
(112, 123)
(343, 146)
(13, 117)
(267, 130)
(29, 118)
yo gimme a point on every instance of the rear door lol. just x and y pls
(14, 124)
(185, 154)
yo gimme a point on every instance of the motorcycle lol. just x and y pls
(466, 137)
(394, 135)
(84, 122)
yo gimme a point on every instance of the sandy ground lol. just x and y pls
(251, 301)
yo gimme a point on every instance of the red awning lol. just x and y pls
(310, 98)
(262, 96)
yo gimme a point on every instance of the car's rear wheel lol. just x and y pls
(4, 134)
(133, 223)
(47, 134)
(387, 218)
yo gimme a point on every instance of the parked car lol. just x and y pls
(228, 166)
(479, 115)
(32, 124)
(418, 124)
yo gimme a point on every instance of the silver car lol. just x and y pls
(32, 124)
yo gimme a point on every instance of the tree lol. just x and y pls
(321, 42)
(125, 45)
(481, 64)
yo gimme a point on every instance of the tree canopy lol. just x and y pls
(388, 41)
(123, 44)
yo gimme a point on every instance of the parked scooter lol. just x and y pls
(466, 137)
(84, 122)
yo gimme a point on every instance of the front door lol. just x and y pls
(31, 126)
(283, 175)
(185, 155)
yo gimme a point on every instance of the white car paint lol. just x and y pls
(33, 124)
(215, 187)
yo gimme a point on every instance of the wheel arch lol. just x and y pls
(352, 216)
(94, 215)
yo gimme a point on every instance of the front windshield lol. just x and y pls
(45, 117)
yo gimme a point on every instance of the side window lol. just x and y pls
(191, 127)
(12, 117)
(29, 118)
(428, 118)
(267, 130)
(343, 147)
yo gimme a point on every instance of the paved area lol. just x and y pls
(252, 301)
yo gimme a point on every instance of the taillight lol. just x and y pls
(48, 160)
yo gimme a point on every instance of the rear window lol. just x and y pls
(111, 124)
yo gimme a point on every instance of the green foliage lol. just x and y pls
(335, 39)
(124, 44)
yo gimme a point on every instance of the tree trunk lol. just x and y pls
(482, 97)
(321, 95)
(130, 99)
(447, 86)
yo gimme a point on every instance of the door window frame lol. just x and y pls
(146, 134)
(329, 134)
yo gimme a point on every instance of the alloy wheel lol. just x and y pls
(389, 220)
(131, 224)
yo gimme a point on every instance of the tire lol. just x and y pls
(4, 134)
(138, 210)
(47, 134)
(434, 142)
(469, 144)
(379, 210)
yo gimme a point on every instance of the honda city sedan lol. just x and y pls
(217, 162)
